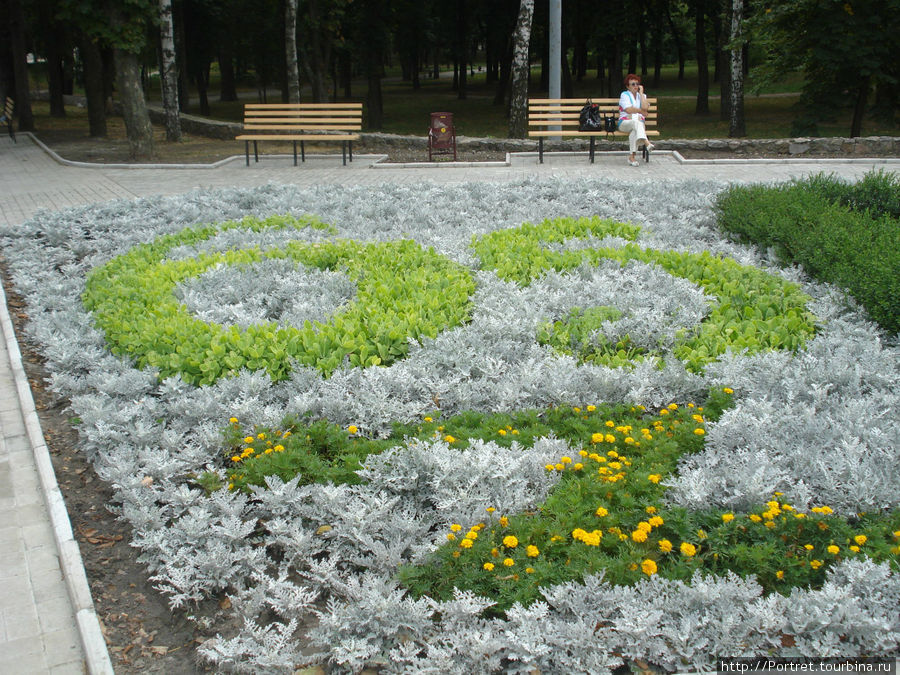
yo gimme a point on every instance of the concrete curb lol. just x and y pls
(94, 645)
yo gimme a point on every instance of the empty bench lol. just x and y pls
(564, 113)
(301, 122)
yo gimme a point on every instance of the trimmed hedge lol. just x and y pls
(844, 234)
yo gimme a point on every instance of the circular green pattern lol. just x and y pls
(403, 292)
(755, 311)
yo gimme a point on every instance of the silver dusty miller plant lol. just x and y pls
(311, 568)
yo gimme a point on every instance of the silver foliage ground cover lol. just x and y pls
(818, 426)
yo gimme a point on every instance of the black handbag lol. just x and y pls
(590, 118)
(610, 124)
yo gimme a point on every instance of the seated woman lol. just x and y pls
(633, 105)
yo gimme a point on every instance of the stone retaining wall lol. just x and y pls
(868, 146)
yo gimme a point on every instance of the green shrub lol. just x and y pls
(847, 235)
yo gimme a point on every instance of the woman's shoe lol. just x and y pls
(633, 162)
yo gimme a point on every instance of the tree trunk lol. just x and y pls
(55, 72)
(374, 40)
(676, 36)
(94, 87)
(518, 100)
(737, 128)
(227, 88)
(859, 109)
(134, 107)
(184, 96)
(462, 47)
(169, 71)
(20, 65)
(702, 60)
(290, 51)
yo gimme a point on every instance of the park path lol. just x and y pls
(47, 618)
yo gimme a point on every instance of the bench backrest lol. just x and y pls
(9, 106)
(303, 116)
(564, 112)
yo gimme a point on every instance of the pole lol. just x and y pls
(555, 33)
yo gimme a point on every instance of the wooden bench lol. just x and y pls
(6, 117)
(319, 122)
(564, 113)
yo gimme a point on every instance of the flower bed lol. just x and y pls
(574, 311)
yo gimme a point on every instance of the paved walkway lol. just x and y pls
(47, 619)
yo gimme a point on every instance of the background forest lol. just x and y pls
(841, 57)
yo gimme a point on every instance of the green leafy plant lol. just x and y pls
(843, 234)
(755, 311)
(403, 292)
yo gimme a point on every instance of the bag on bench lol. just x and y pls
(590, 118)
(610, 124)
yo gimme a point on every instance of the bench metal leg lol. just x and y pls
(344, 152)
(592, 150)
(255, 152)
(302, 151)
(247, 151)
(541, 150)
(350, 148)
(295, 152)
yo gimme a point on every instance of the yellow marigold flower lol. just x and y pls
(639, 536)
(249, 439)
(601, 511)
(699, 432)
(808, 547)
(663, 412)
(597, 437)
(755, 518)
(279, 448)
(532, 551)
(728, 390)
(654, 477)
(779, 574)
(560, 467)
(514, 432)
(578, 533)
(490, 509)
(860, 539)
(286, 434)
(449, 439)
(701, 533)
(592, 538)
(489, 566)
(502, 432)
(456, 527)
(352, 428)
(509, 562)
(268, 451)
(615, 465)
(800, 516)
(665, 545)
(896, 534)
(697, 418)
(655, 521)
(549, 467)
(261, 436)
(609, 438)
(833, 550)
(510, 541)
(815, 564)
(455, 554)
(495, 552)
(578, 466)
(233, 420)
(610, 424)
(472, 534)
(451, 536)
(629, 440)
(504, 521)
(855, 549)
(672, 406)
(770, 524)
(727, 517)
(648, 567)
(591, 408)
(529, 570)
(236, 458)
(822, 525)
(645, 526)
(688, 549)
(428, 419)
(466, 543)
(565, 460)
(576, 409)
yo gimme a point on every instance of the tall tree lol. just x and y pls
(168, 71)
(290, 50)
(736, 126)
(845, 49)
(521, 70)
(702, 107)
(20, 65)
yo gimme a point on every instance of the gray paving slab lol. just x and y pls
(47, 620)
